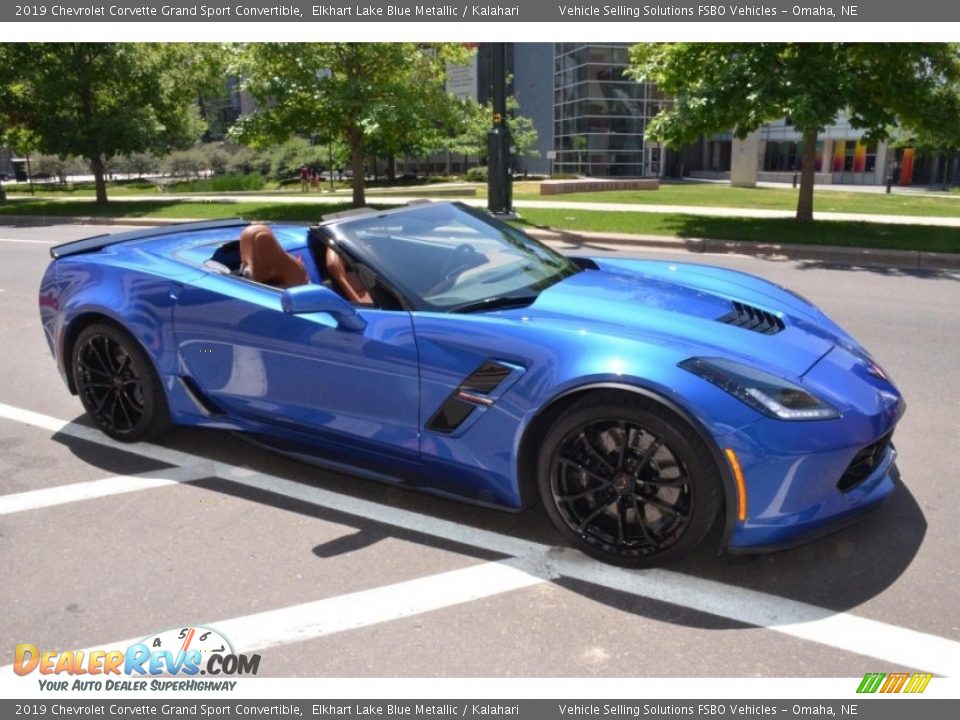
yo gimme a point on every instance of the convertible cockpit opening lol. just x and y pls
(263, 260)
(442, 257)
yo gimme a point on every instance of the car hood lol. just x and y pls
(683, 306)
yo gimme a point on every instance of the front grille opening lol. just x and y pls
(864, 463)
(751, 318)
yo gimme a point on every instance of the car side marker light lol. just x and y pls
(741, 485)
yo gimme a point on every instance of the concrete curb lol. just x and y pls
(908, 259)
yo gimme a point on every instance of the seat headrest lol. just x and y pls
(266, 261)
(346, 280)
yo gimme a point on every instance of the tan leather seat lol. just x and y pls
(347, 282)
(265, 261)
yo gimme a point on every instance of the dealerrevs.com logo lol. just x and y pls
(187, 652)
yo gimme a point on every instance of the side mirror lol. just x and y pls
(321, 299)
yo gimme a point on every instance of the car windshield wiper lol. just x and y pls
(495, 303)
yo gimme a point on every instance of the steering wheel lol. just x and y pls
(461, 258)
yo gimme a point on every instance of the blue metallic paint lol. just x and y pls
(364, 397)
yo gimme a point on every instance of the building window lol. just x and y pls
(601, 114)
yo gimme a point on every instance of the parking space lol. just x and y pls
(329, 575)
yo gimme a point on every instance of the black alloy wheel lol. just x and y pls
(117, 384)
(627, 481)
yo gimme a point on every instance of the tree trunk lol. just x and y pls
(807, 171)
(356, 164)
(96, 164)
(946, 169)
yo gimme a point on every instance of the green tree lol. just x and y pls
(740, 86)
(936, 129)
(580, 144)
(475, 121)
(99, 100)
(392, 94)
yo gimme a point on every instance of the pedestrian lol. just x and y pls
(314, 181)
(304, 179)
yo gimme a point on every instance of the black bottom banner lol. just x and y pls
(867, 709)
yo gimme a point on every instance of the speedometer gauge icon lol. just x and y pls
(184, 639)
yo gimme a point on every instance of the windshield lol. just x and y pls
(447, 257)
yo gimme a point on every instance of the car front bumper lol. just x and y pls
(780, 527)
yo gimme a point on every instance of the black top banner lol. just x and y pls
(489, 11)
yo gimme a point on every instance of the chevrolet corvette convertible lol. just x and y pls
(641, 402)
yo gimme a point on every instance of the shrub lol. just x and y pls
(139, 164)
(477, 174)
(221, 183)
(245, 160)
(218, 159)
(183, 163)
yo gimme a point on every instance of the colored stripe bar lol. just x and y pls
(871, 682)
(898, 683)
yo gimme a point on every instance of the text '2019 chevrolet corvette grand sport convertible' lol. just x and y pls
(432, 346)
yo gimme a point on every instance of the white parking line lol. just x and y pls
(62, 494)
(250, 633)
(24, 240)
(82, 432)
(844, 631)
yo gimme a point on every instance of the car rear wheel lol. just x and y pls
(627, 481)
(117, 384)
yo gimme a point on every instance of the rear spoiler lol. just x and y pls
(98, 242)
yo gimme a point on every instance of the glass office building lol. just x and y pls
(600, 114)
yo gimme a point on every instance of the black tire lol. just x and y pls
(640, 503)
(118, 385)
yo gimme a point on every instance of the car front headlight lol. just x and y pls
(771, 395)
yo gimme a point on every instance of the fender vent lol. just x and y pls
(751, 318)
(486, 378)
(472, 393)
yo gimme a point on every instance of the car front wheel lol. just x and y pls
(117, 384)
(627, 481)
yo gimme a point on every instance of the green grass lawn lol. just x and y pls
(174, 209)
(852, 234)
(696, 194)
(82, 189)
(126, 188)
(220, 184)
(770, 230)
(714, 195)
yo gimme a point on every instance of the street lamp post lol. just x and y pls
(499, 185)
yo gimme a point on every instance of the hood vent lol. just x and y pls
(751, 318)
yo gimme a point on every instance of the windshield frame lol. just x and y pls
(341, 230)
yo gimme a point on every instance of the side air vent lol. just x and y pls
(473, 392)
(486, 378)
(751, 318)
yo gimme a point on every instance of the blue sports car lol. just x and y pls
(641, 402)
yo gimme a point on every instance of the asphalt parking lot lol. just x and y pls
(328, 575)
